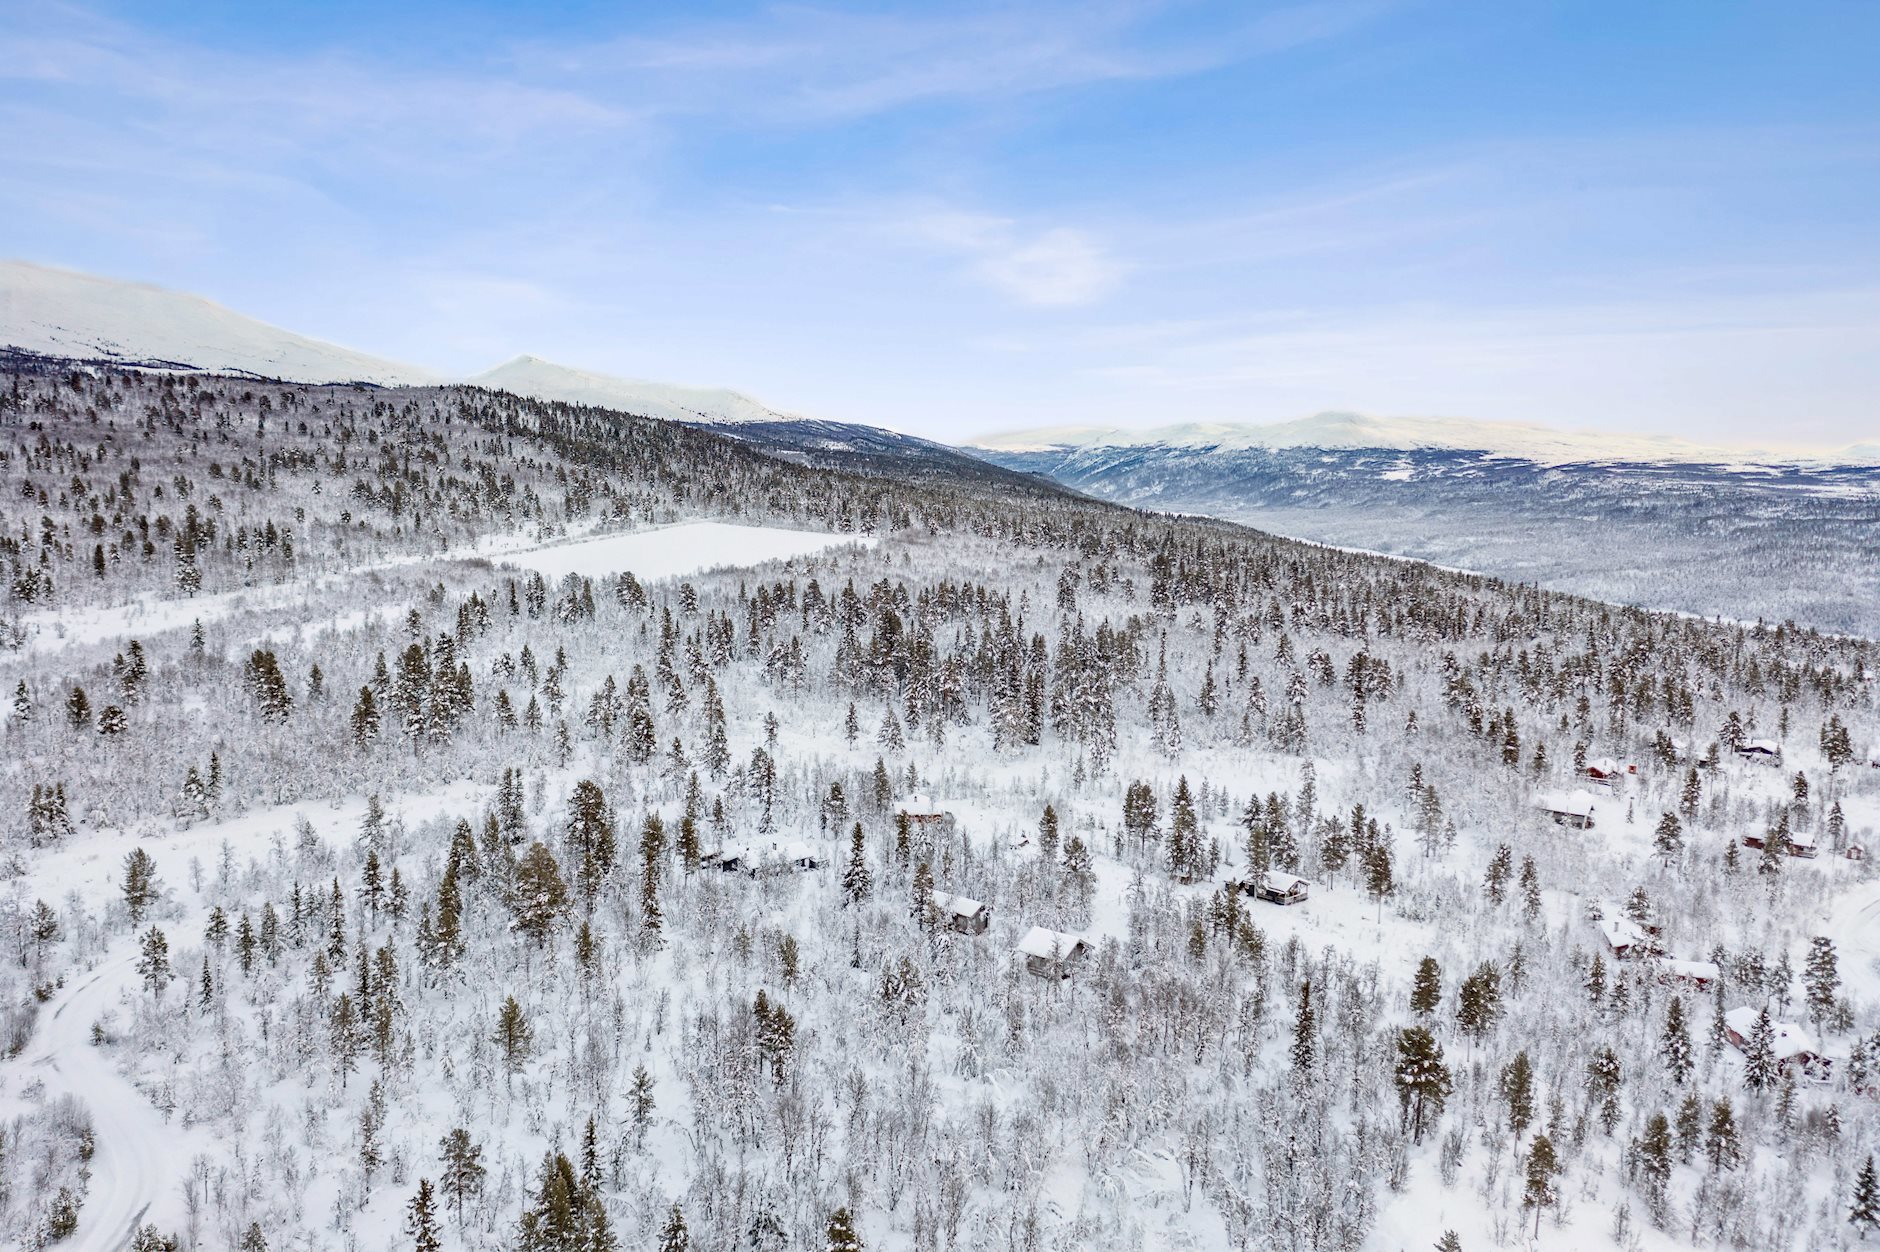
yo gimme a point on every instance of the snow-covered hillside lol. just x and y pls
(1521, 440)
(474, 823)
(544, 380)
(65, 313)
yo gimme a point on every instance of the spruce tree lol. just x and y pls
(421, 1219)
(1423, 1081)
(1426, 993)
(1864, 1213)
(841, 1235)
(857, 881)
(1821, 973)
(1675, 1045)
(1305, 1036)
(673, 1235)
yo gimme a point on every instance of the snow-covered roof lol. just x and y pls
(1279, 880)
(1572, 803)
(1050, 944)
(1766, 747)
(1791, 1039)
(1803, 839)
(1605, 765)
(959, 906)
(1706, 971)
(1621, 932)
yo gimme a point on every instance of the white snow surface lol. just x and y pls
(674, 551)
(65, 313)
(1522, 440)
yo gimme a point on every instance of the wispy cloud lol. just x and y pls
(1052, 266)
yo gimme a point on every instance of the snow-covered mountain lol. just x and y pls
(63, 313)
(544, 380)
(1525, 441)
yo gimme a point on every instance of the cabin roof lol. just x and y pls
(1049, 944)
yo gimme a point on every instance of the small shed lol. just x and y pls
(1052, 953)
(1278, 887)
(962, 915)
(1572, 809)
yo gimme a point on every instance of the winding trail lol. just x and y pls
(136, 1158)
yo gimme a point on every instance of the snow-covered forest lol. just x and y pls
(438, 819)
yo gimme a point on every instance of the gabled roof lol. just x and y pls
(1049, 944)
(1279, 880)
(1764, 747)
(1791, 1040)
(1705, 970)
(1573, 803)
(1621, 932)
(959, 906)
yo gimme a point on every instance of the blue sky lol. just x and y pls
(961, 218)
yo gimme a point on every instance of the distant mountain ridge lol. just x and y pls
(1542, 445)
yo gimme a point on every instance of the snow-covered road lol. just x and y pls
(135, 1159)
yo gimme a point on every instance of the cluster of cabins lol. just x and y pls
(1639, 941)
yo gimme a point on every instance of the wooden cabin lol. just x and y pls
(764, 860)
(1573, 809)
(1624, 938)
(1052, 953)
(927, 814)
(1801, 843)
(961, 915)
(1697, 975)
(1760, 751)
(1278, 887)
(1795, 1049)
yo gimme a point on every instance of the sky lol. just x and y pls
(962, 218)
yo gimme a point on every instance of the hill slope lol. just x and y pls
(63, 313)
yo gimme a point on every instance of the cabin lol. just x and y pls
(1760, 751)
(764, 860)
(927, 814)
(1052, 953)
(1624, 938)
(1608, 773)
(1573, 810)
(1278, 887)
(1801, 843)
(961, 915)
(1794, 1047)
(1856, 853)
(1697, 975)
